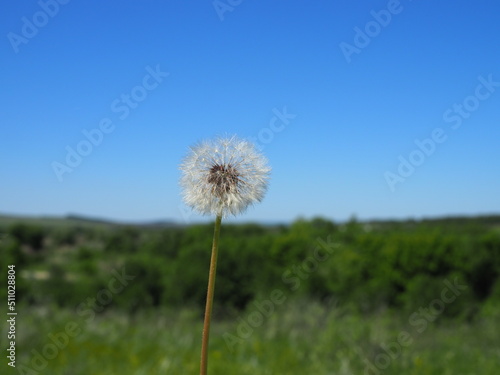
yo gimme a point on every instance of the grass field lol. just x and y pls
(398, 298)
(298, 338)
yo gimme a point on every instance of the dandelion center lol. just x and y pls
(224, 179)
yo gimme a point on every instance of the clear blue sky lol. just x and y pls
(363, 79)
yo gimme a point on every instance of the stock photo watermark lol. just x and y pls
(419, 321)
(11, 314)
(31, 25)
(279, 121)
(363, 36)
(455, 115)
(292, 277)
(223, 6)
(58, 341)
(122, 107)
(277, 124)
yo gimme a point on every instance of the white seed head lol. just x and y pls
(224, 176)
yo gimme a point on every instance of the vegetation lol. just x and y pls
(314, 296)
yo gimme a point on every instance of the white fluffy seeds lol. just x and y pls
(224, 176)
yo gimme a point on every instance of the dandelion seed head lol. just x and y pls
(224, 176)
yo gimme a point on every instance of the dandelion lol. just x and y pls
(221, 177)
(224, 176)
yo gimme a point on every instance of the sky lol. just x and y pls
(372, 109)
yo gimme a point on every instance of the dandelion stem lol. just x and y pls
(210, 297)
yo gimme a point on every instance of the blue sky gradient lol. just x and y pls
(352, 84)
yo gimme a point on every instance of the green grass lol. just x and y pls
(299, 338)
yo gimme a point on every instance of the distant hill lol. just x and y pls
(492, 220)
(74, 219)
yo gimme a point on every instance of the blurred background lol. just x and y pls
(377, 247)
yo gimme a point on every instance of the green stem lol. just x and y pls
(210, 297)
